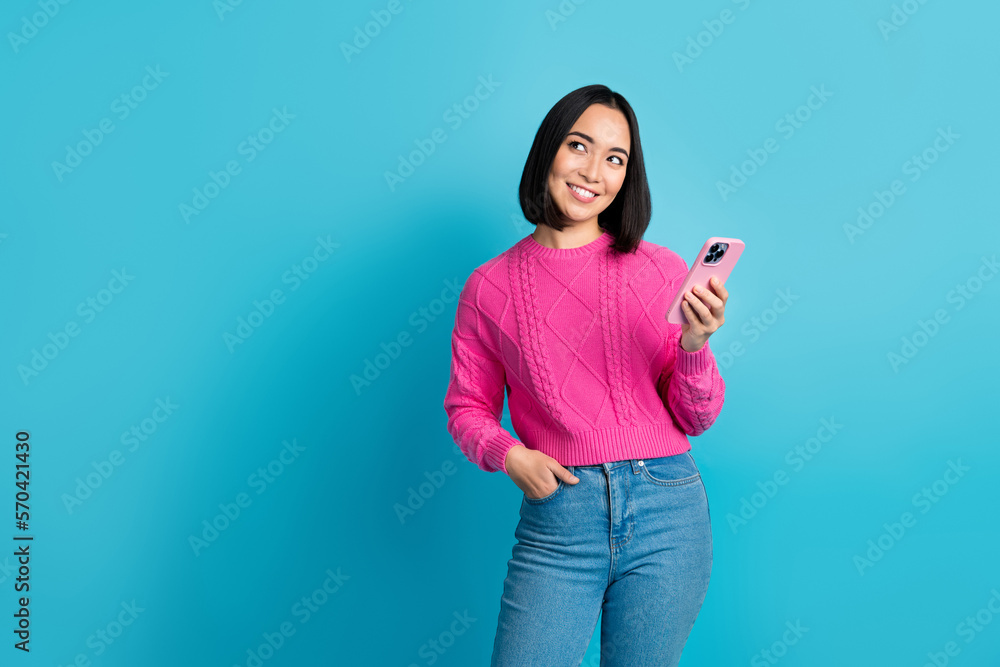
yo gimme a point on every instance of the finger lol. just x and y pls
(720, 289)
(714, 303)
(693, 318)
(704, 314)
(563, 474)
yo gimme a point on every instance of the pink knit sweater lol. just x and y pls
(579, 339)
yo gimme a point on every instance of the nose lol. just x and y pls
(590, 169)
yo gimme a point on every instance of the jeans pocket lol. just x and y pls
(559, 487)
(675, 470)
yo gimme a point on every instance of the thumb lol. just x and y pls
(565, 475)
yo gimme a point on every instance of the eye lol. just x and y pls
(573, 144)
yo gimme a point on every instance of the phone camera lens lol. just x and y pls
(715, 252)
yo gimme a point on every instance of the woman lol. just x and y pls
(603, 394)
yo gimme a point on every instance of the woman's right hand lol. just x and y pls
(535, 473)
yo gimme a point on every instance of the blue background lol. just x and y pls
(401, 250)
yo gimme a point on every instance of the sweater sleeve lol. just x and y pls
(693, 390)
(475, 395)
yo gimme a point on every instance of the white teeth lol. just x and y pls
(582, 192)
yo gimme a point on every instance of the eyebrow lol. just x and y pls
(616, 148)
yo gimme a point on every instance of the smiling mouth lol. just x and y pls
(583, 193)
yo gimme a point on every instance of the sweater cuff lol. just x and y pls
(497, 448)
(692, 363)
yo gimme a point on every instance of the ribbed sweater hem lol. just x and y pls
(611, 444)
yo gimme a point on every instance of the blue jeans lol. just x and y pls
(631, 541)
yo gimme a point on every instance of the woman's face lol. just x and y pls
(593, 157)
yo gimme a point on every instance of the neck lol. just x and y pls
(571, 237)
(597, 244)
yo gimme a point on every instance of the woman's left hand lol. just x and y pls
(705, 313)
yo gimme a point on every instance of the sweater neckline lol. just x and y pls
(533, 247)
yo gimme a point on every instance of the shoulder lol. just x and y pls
(483, 300)
(487, 287)
(487, 273)
(668, 261)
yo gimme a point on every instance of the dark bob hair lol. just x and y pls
(627, 217)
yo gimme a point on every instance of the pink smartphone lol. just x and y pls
(717, 258)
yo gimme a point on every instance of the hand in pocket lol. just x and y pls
(535, 473)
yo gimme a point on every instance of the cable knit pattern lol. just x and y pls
(536, 339)
(592, 369)
(624, 368)
(615, 337)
